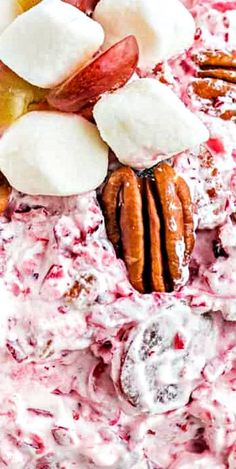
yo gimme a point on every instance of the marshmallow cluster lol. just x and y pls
(143, 122)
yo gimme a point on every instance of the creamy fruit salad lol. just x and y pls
(118, 234)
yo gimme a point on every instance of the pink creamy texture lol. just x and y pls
(95, 375)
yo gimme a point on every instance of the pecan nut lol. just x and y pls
(149, 221)
(5, 191)
(216, 78)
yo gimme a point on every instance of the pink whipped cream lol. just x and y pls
(95, 375)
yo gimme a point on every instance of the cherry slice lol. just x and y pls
(87, 6)
(107, 72)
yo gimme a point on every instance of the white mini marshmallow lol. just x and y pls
(47, 43)
(51, 153)
(145, 122)
(163, 28)
(9, 9)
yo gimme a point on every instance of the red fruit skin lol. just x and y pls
(87, 6)
(107, 72)
(178, 342)
(87, 113)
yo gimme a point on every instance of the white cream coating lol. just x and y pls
(51, 153)
(162, 28)
(70, 233)
(47, 43)
(217, 277)
(144, 123)
(191, 461)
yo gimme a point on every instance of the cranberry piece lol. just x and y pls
(46, 462)
(224, 6)
(41, 412)
(198, 445)
(216, 145)
(178, 342)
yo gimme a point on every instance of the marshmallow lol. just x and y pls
(145, 122)
(47, 43)
(51, 153)
(163, 28)
(9, 9)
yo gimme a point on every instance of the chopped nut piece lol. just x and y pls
(209, 88)
(73, 292)
(216, 78)
(229, 114)
(83, 285)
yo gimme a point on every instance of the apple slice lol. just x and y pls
(109, 71)
(27, 4)
(15, 96)
(52, 153)
(87, 6)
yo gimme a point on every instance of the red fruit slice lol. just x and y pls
(87, 6)
(107, 72)
(87, 113)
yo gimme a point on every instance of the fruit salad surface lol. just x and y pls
(95, 374)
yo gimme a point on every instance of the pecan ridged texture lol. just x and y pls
(216, 78)
(149, 221)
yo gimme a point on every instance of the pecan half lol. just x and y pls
(216, 78)
(149, 221)
(215, 58)
(5, 191)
